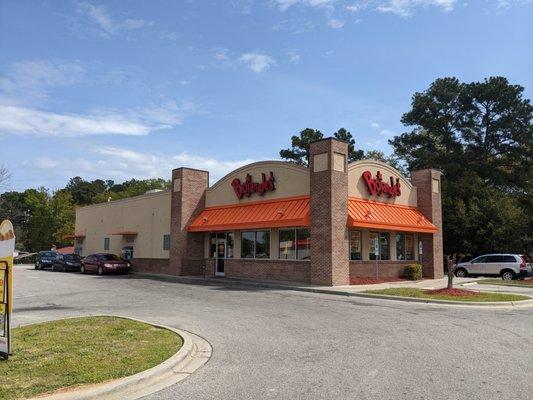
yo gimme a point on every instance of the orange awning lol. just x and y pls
(123, 233)
(370, 214)
(293, 211)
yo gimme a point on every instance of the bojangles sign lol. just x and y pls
(248, 187)
(376, 186)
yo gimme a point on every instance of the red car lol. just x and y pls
(104, 263)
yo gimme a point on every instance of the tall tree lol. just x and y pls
(353, 154)
(299, 151)
(479, 134)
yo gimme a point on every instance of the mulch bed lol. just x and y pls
(527, 281)
(453, 292)
(373, 281)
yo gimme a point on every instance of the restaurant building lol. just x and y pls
(275, 220)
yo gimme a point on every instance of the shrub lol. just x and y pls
(413, 272)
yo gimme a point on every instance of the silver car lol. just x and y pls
(508, 266)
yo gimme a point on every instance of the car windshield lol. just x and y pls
(72, 257)
(110, 257)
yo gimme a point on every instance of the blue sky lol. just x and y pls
(121, 89)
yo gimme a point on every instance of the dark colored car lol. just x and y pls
(104, 263)
(67, 262)
(45, 259)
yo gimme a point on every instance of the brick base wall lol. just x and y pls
(386, 269)
(150, 265)
(275, 270)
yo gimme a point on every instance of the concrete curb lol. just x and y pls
(282, 286)
(194, 353)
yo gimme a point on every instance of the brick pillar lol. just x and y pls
(188, 200)
(329, 212)
(428, 184)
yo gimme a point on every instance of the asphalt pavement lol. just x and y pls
(281, 344)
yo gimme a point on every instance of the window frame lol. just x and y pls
(353, 231)
(166, 242)
(295, 249)
(254, 253)
(107, 243)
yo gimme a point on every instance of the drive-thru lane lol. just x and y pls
(293, 345)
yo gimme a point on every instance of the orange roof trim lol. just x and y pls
(370, 214)
(290, 211)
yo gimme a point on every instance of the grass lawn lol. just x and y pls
(78, 351)
(522, 283)
(459, 294)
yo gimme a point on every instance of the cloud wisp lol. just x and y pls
(122, 163)
(257, 62)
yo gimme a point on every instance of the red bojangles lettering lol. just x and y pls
(376, 186)
(248, 187)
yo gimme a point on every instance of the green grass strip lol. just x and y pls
(78, 351)
(422, 294)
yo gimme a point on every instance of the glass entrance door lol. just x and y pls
(220, 254)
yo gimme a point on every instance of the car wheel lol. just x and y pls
(64, 269)
(100, 271)
(53, 268)
(36, 266)
(461, 273)
(508, 275)
(82, 270)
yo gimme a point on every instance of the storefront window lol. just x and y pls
(287, 244)
(355, 245)
(213, 245)
(247, 244)
(404, 246)
(379, 246)
(262, 244)
(303, 240)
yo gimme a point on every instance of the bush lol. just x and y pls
(413, 272)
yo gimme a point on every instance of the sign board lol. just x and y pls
(376, 246)
(7, 247)
(377, 186)
(419, 247)
(249, 187)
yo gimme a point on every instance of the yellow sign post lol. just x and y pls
(7, 247)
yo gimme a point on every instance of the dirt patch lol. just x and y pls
(452, 292)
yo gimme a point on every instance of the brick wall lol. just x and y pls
(386, 269)
(274, 270)
(428, 184)
(329, 212)
(188, 200)
(150, 265)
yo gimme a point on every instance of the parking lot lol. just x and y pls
(293, 345)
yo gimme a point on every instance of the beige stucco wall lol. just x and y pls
(357, 187)
(291, 180)
(148, 215)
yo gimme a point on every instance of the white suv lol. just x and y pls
(508, 266)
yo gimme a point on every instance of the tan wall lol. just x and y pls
(357, 187)
(148, 215)
(291, 180)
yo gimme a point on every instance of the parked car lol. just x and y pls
(508, 266)
(103, 263)
(67, 262)
(45, 259)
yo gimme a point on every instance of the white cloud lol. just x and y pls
(31, 79)
(16, 120)
(118, 163)
(294, 58)
(285, 4)
(105, 24)
(387, 133)
(374, 125)
(221, 54)
(257, 62)
(335, 23)
(405, 8)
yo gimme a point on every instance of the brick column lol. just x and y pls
(428, 184)
(188, 200)
(329, 212)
